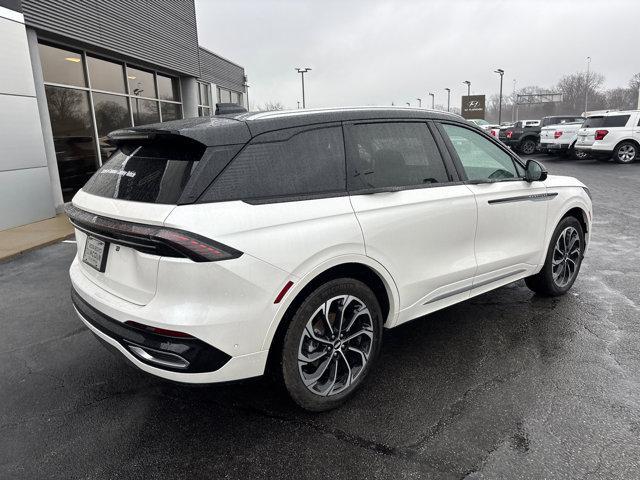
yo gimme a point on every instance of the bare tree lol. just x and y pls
(270, 106)
(574, 88)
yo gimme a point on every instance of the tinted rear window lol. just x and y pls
(307, 163)
(156, 173)
(394, 155)
(615, 121)
(593, 122)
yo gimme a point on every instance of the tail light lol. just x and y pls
(156, 240)
(557, 134)
(509, 133)
(600, 134)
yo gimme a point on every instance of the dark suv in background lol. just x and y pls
(525, 139)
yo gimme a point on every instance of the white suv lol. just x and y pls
(612, 134)
(213, 249)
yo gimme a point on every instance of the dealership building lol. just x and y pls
(74, 70)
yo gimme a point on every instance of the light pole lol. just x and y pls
(500, 72)
(246, 89)
(298, 104)
(586, 90)
(302, 71)
(468, 84)
(448, 98)
(408, 104)
(419, 102)
(433, 100)
(513, 107)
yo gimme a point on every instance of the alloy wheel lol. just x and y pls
(626, 153)
(336, 345)
(566, 257)
(528, 147)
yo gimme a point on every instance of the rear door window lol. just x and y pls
(151, 173)
(310, 162)
(593, 122)
(401, 154)
(615, 120)
(481, 159)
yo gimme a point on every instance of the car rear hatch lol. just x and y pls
(587, 133)
(547, 135)
(119, 214)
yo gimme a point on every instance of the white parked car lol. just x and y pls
(213, 249)
(561, 139)
(612, 134)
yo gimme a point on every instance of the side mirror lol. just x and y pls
(535, 172)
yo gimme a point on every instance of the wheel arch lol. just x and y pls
(362, 268)
(630, 140)
(576, 209)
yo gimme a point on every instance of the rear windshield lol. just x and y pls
(156, 173)
(593, 122)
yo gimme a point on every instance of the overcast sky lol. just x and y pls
(371, 52)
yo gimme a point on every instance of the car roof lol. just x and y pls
(240, 128)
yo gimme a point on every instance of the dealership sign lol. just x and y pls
(473, 106)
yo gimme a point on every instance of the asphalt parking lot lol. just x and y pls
(505, 386)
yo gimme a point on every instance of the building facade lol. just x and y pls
(78, 69)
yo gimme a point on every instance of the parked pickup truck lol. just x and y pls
(524, 136)
(561, 139)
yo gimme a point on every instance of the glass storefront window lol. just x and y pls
(235, 98)
(78, 151)
(204, 91)
(62, 66)
(141, 83)
(168, 88)
(72, 137)
(170, 111)
(204, 112)
(112, 113)
(224, 95)
(106, 75)
(144, 111)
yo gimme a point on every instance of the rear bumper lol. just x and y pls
(228, 337)
(595, 149)
(176, 354)
(554, 146)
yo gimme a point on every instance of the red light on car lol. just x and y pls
(600, 134)
(557, 134)
(509, 134)
(159, 331)
(283, 292)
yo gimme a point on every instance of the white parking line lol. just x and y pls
(68, 241)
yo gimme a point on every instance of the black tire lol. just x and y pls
(578, 154)
(626, 152)
(527, 146)
(298, 343)
(544, 282)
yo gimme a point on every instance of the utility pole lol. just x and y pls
(448, 99)
(500, 72)
(419, 102)
(468, 83)
(513, 107)
(302, 71)
(586, 90)
(433, 101)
